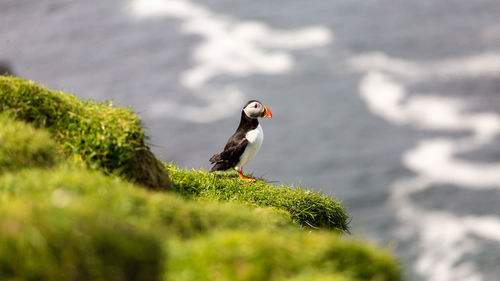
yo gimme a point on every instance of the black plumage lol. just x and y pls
(236, 144)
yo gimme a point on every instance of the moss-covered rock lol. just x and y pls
(103, 136)
(22, 146)
(305, 206)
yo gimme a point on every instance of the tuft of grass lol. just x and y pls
(103, 136)
(305, 206)
(21, 146)
(264, 256)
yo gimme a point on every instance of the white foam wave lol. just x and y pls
(383, 96)
(481, 65)
(436, 159)
(389, 99)
(229, 46)
(444, 238)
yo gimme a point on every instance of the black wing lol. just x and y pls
(228, 158)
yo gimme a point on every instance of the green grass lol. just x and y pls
(42, 242)
(103, 136)
(61, 220)
(67, 223)
(112, 140)
(200, 240)
(170, 212)
(22, 146)
(314, 275)
(265, 256)
(305, 206)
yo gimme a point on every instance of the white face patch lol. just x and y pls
(253, 109)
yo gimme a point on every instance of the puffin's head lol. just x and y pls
(255, 109)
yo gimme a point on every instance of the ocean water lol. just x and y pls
(392, 106)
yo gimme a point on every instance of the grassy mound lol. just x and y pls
(266, 256)
(201, 240)
(306, 207)
(40, 242)
(62, 221)
(103, 136)
(165, 211)
(67, 223)
(23, 146)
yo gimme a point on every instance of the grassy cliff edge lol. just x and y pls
(70, 208)
(100, 135)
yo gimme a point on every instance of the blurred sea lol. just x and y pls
(392, 106)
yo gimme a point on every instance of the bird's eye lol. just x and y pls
(255, 105)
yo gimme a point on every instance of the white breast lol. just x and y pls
(255, 138)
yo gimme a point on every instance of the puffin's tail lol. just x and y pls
(220, 165)
(215, 158)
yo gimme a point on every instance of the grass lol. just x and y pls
(265, 256)
(167, 211)
(42, 242)
(67, 223)
(24, 146)
(61, 220)
(103, 136)
(313, 275)
(111, 139)
(78, 212)
(305, 206)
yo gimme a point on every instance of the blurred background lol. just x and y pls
(391, 106)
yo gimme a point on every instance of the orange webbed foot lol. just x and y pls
(240, 173)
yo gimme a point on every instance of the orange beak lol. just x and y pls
(267, 113)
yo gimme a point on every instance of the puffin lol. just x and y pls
(244, 144)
